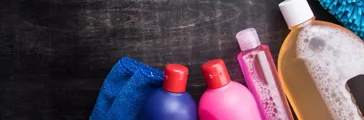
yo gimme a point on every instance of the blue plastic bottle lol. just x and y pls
(171, 102)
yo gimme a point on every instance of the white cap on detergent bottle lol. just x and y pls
(295, 11)
(248, 39)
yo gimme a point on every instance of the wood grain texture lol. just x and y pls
(56, 53)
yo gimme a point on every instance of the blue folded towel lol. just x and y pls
(124, 90)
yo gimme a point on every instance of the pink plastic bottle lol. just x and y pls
(225, 99)
(261, 76)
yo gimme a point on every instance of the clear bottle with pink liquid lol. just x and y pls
(261, 76)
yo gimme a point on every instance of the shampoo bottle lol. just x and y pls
(171, 102)
(316, 60)
(225, 99)
(261, 76)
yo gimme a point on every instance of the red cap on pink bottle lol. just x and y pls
(225, 99)
(215, 74)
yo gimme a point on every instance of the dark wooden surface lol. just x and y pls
(55, 54)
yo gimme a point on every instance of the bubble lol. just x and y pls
(250, 56)
(275, 110)
(327, 63)
(266, 103)
(337, 100)
(306, 40)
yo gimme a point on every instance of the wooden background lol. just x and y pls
(55, 54)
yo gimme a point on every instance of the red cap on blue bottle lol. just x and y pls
(175, 78)
(215, 74)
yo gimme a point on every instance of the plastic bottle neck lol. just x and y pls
(306, 23)
(253, 49)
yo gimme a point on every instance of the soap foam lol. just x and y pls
(268, 93)
(332, 57)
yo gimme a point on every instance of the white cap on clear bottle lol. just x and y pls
(295, 11)
(248, 39)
